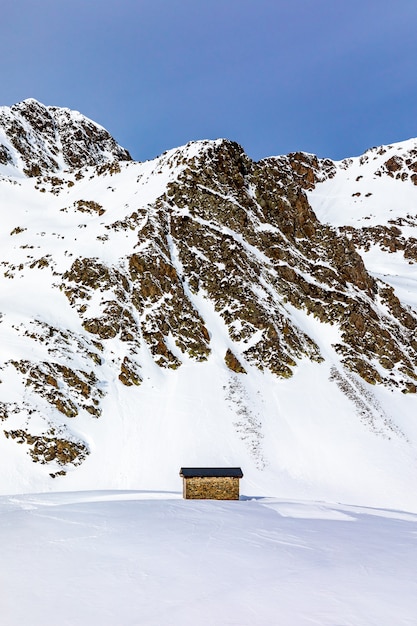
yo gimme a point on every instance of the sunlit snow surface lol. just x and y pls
(153, 559)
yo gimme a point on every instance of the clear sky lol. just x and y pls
(333, 77)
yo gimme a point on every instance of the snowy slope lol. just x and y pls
(150, 558)
(371, 189)
(378, 189)
(192, 310)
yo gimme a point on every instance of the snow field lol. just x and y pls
(143, 558)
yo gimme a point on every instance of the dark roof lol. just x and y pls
(212, 472)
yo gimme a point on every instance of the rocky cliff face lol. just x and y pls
(114, 270)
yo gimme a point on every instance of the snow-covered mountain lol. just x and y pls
(204, 309)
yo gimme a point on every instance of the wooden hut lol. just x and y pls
(211, 483)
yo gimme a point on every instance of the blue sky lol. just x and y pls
(326, 76)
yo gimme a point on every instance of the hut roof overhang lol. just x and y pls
(211, 472)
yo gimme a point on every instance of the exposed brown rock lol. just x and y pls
(233, 363)
(46, 448)
(129, 374)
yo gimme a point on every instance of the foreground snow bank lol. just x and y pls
(133, 558)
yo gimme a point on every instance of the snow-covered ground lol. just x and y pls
(152, 559)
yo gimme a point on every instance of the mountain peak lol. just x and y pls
(37, 139)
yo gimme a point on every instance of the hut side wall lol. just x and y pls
(199, 488)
